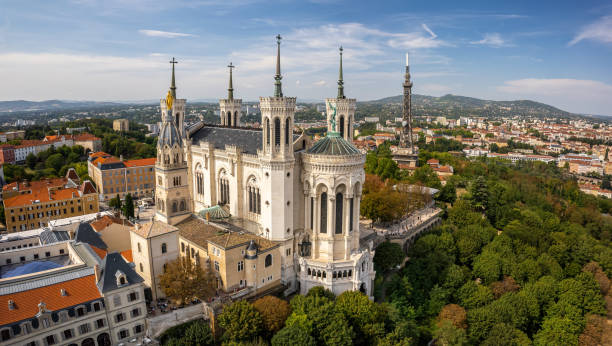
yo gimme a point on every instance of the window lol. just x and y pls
(277, 131)
(339, 212)
(216, 265)
(182, 247)
(84, 328)
(132, 296)
(323, 225)
(138, 329)
(288, 252)
(240, 266)
(96, 306)
(117, 300)
(139, 249)
(135, 313)
(47, 254)
(50, 340)
(120, 317)
(351, 214)
(6, 334)
(123, 334)
(141, 268)
(268, 260)
(68, 334)
(164, 248)
(80, 311)
(267, 131)
(22, 258)
(100, 323)
(61, 251)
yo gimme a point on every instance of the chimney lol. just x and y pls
(97, 272)
(63, 292)
(121, 158)
(11, 305)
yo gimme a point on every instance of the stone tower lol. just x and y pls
(230, 108)
(277, 165)
(172, 196)
(344, 110)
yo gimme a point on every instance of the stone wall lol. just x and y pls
(157, 325)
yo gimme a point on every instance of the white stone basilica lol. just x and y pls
(274, 181)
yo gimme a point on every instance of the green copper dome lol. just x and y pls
(333, 144)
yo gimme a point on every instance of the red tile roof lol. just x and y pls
(127, 254)
(140, 162)
(26, 302)
(101, 253)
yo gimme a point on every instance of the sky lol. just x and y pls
(556, 52)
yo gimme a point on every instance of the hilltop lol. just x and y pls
(48, 105)
(453, 105)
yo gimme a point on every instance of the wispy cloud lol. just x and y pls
(424, 26)
(165, 34)
(600, 30)
(576, 95)
(492, 40)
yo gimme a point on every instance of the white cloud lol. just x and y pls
(320, 83)
(424, 26)
(166, 34)
(601, 31)
(492, 40)
(574, 95)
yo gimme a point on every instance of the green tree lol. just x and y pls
(241, 322)
(366, 317)
(128, 206)
(31, 160)
(293, 336)
(503, 334)
(449, 335)
(115, 203)
(55, 161)
(480, 194)
(388, 256)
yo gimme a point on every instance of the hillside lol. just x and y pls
(453, 106)
(48, 105)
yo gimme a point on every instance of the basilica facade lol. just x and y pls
(274, 181)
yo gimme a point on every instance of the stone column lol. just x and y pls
(331, 224)
(316, 227)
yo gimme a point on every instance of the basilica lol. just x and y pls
(274, 181)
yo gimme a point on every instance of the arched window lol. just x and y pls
(182, 206)
(349, 133)
(253, 196)
(164, 248)
(287, 130)
(229, 119)
(224, 190)
(323, 225)
(267, 121)
(339, 207)
(235, 118)
(351, 214)
(141, 268)
(308, 271)
(174, 207)
(277, 133)
(342, 126)
(268, 260)
(139, 249)
(182, 247)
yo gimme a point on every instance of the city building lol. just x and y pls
(121, 125)
(11, 135)
(276, 185)
(7, 154)
(30, 205)
(63, 293)
(113, 176)
(88, 141)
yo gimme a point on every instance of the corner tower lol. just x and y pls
(172, 196)
(344, 108)
(230, 108)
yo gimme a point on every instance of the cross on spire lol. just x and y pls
(230, 90)
(173, 84)
(278, 92)
(340, 78)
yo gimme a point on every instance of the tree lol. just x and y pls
(197, 333)
(388, 256)
(115, 203)
(480, 194)
(55, 161)
(455, 314)
(128, 206)
(2, 216)
(449, 335)
(241, 322)
(504, 334)
(184, 280)
(31, 160)
(273, 311)
(500, 288)
(293, 336)
(448, 193)
(366, 317)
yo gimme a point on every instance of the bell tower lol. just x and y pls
(277, 165)
(344, 109)
(230, 108)
(172, 196)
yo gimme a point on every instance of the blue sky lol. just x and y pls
(557, 52)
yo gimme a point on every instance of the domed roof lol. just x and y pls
(169, 135)
(333, 144)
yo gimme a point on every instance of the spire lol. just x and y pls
(173, 84)
(278, 92)
(230, 90)
(340, 81)
(406, 140)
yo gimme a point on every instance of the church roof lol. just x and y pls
(249, 140)
(333, 145)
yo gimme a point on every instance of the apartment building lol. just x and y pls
(11, 135)
(63, 294)
(243, 262)
(121, 125)
(7, 154)
(113, 176)
(30, 205)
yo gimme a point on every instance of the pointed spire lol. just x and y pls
(278, 91)
(340, 81)
(173, 84)
(230, 90)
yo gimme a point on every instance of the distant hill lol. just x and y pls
(49, 105)
(462, 105)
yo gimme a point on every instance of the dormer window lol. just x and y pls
(63, 292)
(11, 305)
(121, 278)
